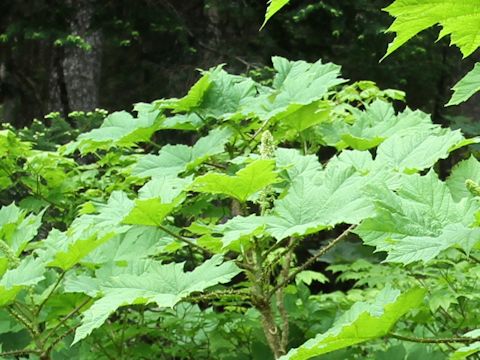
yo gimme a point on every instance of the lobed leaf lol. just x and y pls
(363, 322)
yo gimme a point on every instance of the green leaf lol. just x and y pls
(136, 243)
(309, 276)
(238, 232)
(302, 117)
(466, 87)
(17, 229)
(315, 203)
(164, 285)
(379, 122)
(227, 95)
(120, 129)
(273, 7)
(363, 322)
(193, 99)
(157, 199)
(87, 232)
(296, 164)
(463, 171)
(459, 19)
(412, 152)
(252, 178)
(465, 351)
(30, 272)
(174, 159)
(419, 220)
(150, 212)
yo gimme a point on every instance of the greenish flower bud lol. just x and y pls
(267, 146)
(473, 187)
(6, 251)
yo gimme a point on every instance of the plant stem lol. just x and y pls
(29, 326)
(59, 280)
(281, 297)
(68, 316)
(59, 338)
(19, 352)
(465, 340)
(313, 259)
(185, 240)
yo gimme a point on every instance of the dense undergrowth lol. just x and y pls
(287, 219)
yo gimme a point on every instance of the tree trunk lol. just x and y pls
(76, 71)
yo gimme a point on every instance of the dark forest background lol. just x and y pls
(81, 54)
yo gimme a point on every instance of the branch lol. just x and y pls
(281, 297)
(31, 329)
(239, 294)
(185, 240)
(465, 340)
(60, 338)
(59, 280)
(469, 256)
(313, 259)
(68, 316)
(19, 352)
(205, 252)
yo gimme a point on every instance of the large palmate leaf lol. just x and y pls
(227, 95)
(87, 232)
(373, 125)
(297, 84)
(174, 159)
(296, 164)
(136, 243)
(120, 129)
(459, 19)
(246, 182)
(315, 203)
(466, 87)
(411, 152)
(363, 322)
(164, 285)
(419, 220)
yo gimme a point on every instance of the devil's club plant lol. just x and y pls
(128, 244)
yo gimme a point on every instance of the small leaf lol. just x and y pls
(308, 277)
(273, 7)
(465, 351)
(252, 178)
(466, 87)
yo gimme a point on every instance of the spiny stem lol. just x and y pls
(465, 340)
(313, 259)
(185, 240)
(281, 297)
(58, 339)
(68, 316)
(19, 352)
(59, 280)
